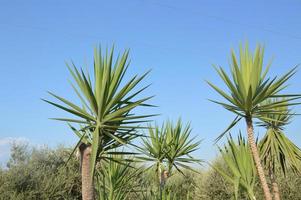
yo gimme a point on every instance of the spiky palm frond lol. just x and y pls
(170, 146)
(248, 86)
(279, 118)
(154, 148)
(275, 148)
(239, 160)
(278, 150)
(180, 145)
(106, 103)
(117, 180)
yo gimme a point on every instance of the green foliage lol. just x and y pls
(40, 175)
(275, 148)
(105, 112)
(238, 158)
(171, 145)
(211, 185)
(249, 87)
(180, 146)
(154, 147)
(117, 180)
(43, 175)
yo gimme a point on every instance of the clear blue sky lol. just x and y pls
(179, 40)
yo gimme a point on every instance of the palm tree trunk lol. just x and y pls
(275, 187)
(87, 178)
(160, 180)
(276, 190)
(255, 154)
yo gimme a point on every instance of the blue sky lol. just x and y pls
(178, 40)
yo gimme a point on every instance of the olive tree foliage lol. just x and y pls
(42, 173)
(39, 173)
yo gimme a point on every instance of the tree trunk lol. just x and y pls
(160, 180)
(87, 178)
(276, 190)
(275, 187)
(255, 154)
(162, 176)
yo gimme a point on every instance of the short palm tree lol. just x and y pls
(105, 112)
(169, 147)
(278, 151)
(154, 151)
(248, 86)
(180, 145)
(239, 162)
(117, 180)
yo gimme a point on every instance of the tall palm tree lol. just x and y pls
(278, 151)
(248, 86)
(169, 147)
(239, 162)
(105, 111)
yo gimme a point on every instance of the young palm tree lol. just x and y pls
(105, 111)
(117, 180)
(180, 146)
(154, 150)
(169, 147)
(238, 159)
(248, 87)
(277, 151)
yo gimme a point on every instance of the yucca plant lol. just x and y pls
(276, 150)
(169, 147)
(117, 180)
(248, 87)
(105, 112)
(154, 151)
(180, 145)
(239, 161)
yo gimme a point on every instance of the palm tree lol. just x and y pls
(248, 87)
(105, 111)
(154, 150)
(180, 146)
(277, 151)
(117, 180)
(239, 162)
(169, 147)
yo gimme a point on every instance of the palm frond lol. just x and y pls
(106, 103)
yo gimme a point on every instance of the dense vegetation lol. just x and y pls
(40, 173)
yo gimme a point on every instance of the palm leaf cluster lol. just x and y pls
(170, 146)
(117, 180)
(106, 103)
(239, 162)
(275, 148)
(248, 86)
(154, 147)
(180, 145)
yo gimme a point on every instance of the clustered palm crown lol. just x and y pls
(277, 120)
(277, 150)
(170, 145)
(106, 103)
(248, 86)
(179, 145)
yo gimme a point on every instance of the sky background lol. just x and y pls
(178, 40)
